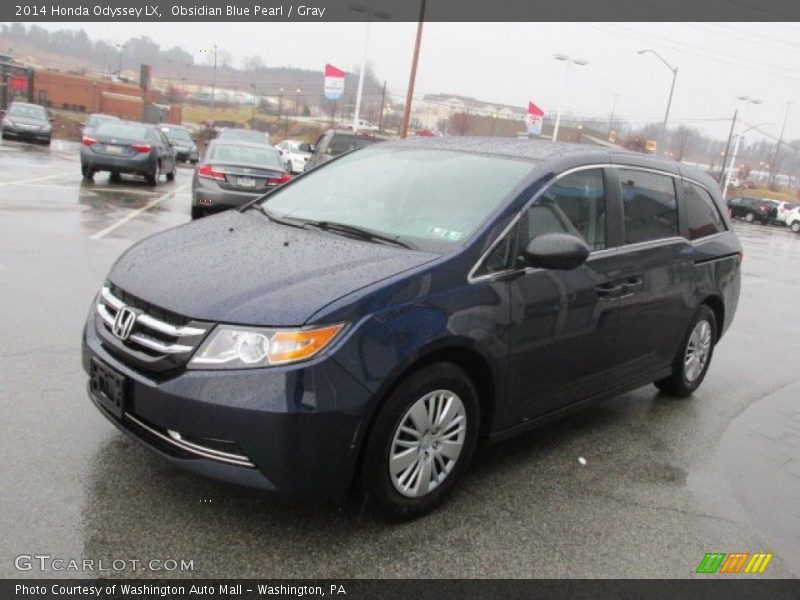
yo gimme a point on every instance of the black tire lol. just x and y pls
(678, 384)
(376, 481)
(153, 178)
(88, 174)
(4, 136)
(197, 212)
(114, 177)
(171, 174)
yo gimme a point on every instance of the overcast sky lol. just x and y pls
(513, 62)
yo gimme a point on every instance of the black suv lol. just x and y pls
(335, 142)
(753, 209)
(374, 318)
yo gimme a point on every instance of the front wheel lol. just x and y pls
(691, 363)
(422, 441)
(749, 217)
(795, 226)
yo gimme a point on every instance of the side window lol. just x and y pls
(500, 258)
(649, 205)
(702, 213)
(575, 204)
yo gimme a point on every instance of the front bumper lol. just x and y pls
(27, 134)
(297, 426)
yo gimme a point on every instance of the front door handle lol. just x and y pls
(608, 290)
(632, 285)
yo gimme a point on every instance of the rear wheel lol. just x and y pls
(691, 363)
(153, 178)
(87, 173)
(114, 176)
(197, 212)
(795, 226)
(749, 217)
(171, 174)
(422, 441)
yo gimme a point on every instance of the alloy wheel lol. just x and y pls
(698, 350)
(427, 443)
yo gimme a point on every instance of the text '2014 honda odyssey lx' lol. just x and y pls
(369, 321)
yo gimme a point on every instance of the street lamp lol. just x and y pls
(368, 15)
(253, 118)
(120, 47)
(570, 61)
(671, 90)
(296, 103)
(746, 102)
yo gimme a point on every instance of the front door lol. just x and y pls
(563, 323)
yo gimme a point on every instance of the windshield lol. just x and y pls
(244, 155)
(122, 130)
(243, 135)
(177, 135)
(96, 120)
(28, 112)
(432, 196)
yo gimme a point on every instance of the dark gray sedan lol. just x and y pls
(233, 173)
(128, 147)
(27, 121)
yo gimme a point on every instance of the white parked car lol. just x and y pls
(362, 125)
(294, 154)
(793, 220)
(784, 210)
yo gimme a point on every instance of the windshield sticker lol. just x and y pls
(447, 234)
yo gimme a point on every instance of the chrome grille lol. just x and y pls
(153, 343)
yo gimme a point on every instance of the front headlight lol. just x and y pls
(234, 347)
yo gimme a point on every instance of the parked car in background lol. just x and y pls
(232, 174)
(752, 209)
(95, 120)
(364, 125)
(338, 141)
(368, 323)
(295, 154)
(249, 136)
(784, 209)
(24, 121)
(182, 141)
(128, 147)
(793, 220)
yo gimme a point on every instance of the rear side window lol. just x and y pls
(702, 213)
(649, 204)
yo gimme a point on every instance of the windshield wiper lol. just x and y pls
(359, 232)
(300, 223)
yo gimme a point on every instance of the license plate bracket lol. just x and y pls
(107, 387)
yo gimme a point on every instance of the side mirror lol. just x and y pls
(558, 251)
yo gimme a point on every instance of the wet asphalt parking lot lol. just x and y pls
(664, 480)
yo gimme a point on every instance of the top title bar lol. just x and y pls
(401, 10)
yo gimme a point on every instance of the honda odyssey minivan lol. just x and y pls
(365, 325)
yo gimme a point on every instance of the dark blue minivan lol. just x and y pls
(367, 323)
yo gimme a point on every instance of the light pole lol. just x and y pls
(412, 78)
(570, 61)
(296, 102)
(778, 146)
(671, 90)
(213, 87)
(253, 118)
(120, 47)
(368, 15)
(746, 101)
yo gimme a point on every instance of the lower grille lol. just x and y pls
(129, 329)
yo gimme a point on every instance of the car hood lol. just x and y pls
(27, 121)
(241, 268)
